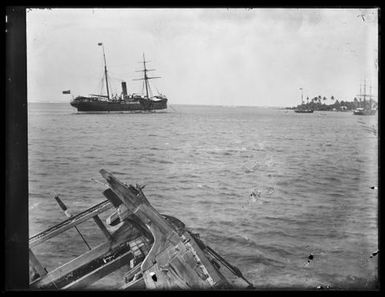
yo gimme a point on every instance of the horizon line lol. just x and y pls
(189, 104)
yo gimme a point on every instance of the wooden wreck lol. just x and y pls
(158, 251)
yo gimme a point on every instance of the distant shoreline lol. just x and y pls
(193, 105)
(337, 105)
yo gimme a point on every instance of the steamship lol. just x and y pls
(123, 102)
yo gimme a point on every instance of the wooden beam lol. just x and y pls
(130, 274)
(36, 264)
(121, 235)
(76, 263)
(101, 272)
(188, 267)
(138, 284)
(101, 226)
(165, 239)
(111, 196)
(217, 278)
(137, 204)
(67, 224)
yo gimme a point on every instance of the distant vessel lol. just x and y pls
(304, 110)
(367, 108)
(362, 111)
(124, 102)
(301, 108)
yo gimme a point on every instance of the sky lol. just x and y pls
(230, 57)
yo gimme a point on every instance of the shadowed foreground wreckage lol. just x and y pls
(157, 250)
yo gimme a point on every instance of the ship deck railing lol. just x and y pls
(92, 265)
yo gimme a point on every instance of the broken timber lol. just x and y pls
(159, 252)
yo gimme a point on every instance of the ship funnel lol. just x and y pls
(124, 88)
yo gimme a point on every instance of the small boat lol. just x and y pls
(125, 102)
(156, 251)
(362, 111)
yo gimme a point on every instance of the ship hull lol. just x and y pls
(365, 112)
(119, 106)
(304, 111)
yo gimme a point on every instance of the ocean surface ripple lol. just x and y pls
(264, 187)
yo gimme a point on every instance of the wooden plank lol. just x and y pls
(121, 190)
(136, 285)
(175, 223)
(187, 273)
(180, 265)
(101, 272)
(121, 235)
(67, 224)
(111, 196)
(36, 264)
(149, 215)
(130, 274)
(76, 263)
(135, 203)
(162, 242)
(218, 279)
(101, 226)
(113, 219)
(161, 230)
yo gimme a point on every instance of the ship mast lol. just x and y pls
(359, 96)
(301, 95)
(145, 77)
(364, 95)
(105, 70)
(371, 96)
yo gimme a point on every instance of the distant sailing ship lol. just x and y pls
(367, 108)
(124, 102)
(301, 108)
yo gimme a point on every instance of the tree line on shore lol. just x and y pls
(319, 103)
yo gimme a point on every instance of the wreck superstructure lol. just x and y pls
(156, 250)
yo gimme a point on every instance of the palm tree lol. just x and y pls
(355, 102)
(337, 104)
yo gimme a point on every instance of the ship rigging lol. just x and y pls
(124, 102)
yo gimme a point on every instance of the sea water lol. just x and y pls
(266, 188)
